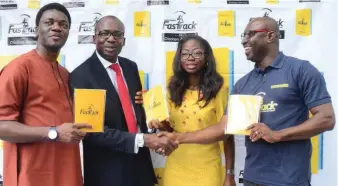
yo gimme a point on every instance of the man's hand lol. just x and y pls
(261, 131)
(173, 136)
(139, 96)
(71, 133)
(229, 181)
(154, 142)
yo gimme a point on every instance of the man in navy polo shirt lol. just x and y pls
(279, 148)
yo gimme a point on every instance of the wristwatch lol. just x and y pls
(230, 172)
(52, 133)
(140, 140)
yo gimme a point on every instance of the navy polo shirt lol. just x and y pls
(291, 87)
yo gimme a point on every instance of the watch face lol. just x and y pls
(52, 134)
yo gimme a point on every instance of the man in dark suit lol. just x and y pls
(120, 155)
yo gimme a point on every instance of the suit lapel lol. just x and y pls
(103, 80)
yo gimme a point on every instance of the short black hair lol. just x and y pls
(52, 6)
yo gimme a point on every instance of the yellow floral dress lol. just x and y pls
(195, 164)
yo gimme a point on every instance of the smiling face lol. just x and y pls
(192, 56)
(109, 38)
(255, 40)
(53, 30)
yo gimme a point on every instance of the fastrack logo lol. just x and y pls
(23, 27)
(178, 23)
(21, 33)
(89, 26)
(89, 111)
(177, 27)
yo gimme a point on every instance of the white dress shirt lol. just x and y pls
(112, 75)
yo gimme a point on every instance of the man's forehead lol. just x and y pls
(110, 24)
(255, 24)
(54, 14)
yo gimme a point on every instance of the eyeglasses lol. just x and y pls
(115, 34)
(195, 55)
(251, 33)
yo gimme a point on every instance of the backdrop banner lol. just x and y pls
(308, 30)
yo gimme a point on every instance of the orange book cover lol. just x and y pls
(89, 107)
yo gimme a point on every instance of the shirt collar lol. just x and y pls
(106, 64)
(277, 63)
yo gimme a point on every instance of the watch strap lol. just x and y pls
(230, 172)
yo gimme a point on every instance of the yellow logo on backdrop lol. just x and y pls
(303, 22)
(280, 86)
(34, 4)
(112, 2)
(272, 1)
(194, 1)
(142, 24)
(226, 23)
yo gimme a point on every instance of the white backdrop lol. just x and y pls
(145, 44)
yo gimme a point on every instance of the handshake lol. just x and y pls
(163, 143)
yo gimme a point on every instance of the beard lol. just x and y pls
(54, 47)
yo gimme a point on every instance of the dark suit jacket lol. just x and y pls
(109, 158)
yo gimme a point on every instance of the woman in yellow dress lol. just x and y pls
(197, 99)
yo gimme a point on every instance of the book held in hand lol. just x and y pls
(243, 111)
(89, 108)
(155, 104)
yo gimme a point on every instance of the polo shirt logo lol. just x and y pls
(285, 85)
(269, 107)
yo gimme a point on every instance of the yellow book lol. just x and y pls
(89, 107)
(155, 104)
(243, 110)
(226, 23)
(303, 22)
(142, 24)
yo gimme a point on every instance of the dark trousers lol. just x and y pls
(249, 183)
